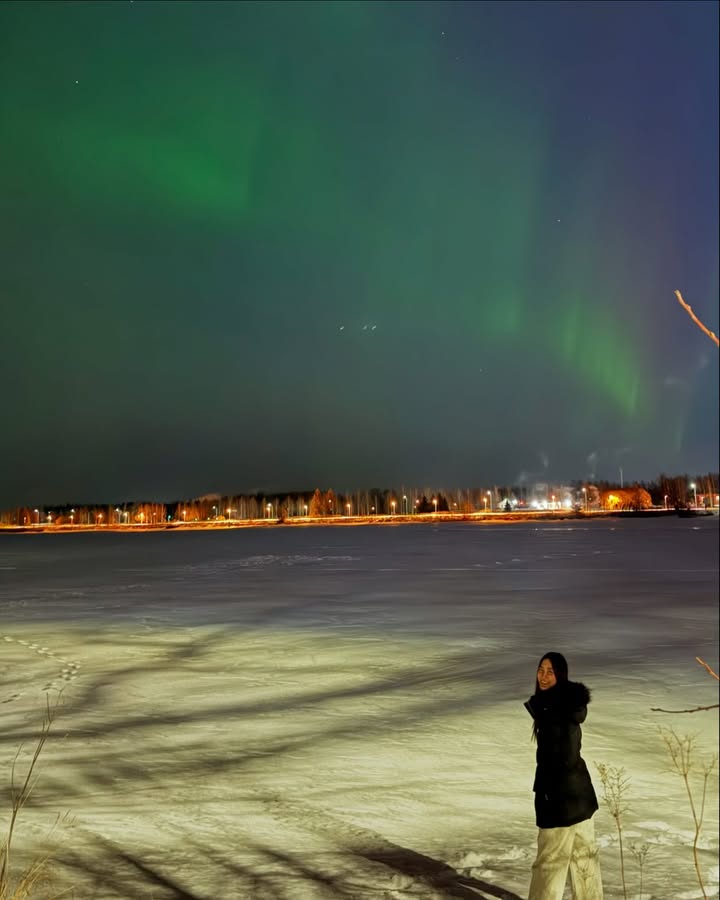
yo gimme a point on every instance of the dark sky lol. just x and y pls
(286, 245)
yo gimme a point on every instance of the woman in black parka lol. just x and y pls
(564, 796)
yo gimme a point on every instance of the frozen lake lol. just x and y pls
(337, 712)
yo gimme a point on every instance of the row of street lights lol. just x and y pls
(120, 517)
(393, 506)
(268, 510)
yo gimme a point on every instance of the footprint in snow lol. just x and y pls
(68, 672)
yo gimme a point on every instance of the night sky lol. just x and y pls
(276, 246)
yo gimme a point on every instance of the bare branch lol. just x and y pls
(674, 711)
(688, 310)
(711, 671)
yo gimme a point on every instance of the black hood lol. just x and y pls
(572, 694)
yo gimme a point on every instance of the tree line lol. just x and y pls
(666, 491)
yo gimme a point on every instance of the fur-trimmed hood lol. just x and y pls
(571, 694)
(567, 698)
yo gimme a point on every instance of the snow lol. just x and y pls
(337, 712)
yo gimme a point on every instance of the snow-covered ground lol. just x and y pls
(337, 712)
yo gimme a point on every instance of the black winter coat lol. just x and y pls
(564, 794)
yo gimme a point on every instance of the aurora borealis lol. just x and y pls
(286, 245)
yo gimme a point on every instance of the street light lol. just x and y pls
(393, 507)
(305, 508)
(405, 504)
(269, 509)
(665, 499)
(347, 507)
(694, 489)
(37, 516)
(584, 490)
(434, 500)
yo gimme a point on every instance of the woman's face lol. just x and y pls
(545, 675)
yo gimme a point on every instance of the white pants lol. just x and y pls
(560, 849)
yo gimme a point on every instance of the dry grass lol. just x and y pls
(615, 784)
(683, 761)
(640, 853)
(18, 886)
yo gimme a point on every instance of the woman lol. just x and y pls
(564, 797)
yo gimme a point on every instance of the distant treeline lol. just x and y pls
(668, 491)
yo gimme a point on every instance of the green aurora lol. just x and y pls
(250, 179)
